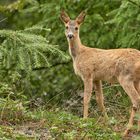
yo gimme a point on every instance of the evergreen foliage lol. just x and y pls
(25, 49)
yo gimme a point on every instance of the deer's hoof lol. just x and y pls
(126, 132)
(106, 117)
(85, 117)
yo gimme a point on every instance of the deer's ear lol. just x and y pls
(64, 17)
(81, 17)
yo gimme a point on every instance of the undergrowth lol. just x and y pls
(57, 125)
(18, 121)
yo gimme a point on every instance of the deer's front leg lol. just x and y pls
(88, 85)
(100, 97)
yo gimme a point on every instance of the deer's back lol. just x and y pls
(106, 65)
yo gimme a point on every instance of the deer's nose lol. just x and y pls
(70, 35)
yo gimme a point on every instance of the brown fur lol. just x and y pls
(96, 65)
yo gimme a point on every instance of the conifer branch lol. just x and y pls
(52, 66)
(25, 49)
(134, 3)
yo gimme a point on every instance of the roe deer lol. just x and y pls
(95, 65)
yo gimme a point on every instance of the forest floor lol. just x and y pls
(60, 125)
(21, 120)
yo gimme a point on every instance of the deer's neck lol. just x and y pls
(74, 46)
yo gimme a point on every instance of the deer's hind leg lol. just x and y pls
(128, 85)
(137, 86)
(99, 97)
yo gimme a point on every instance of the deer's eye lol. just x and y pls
(76, 28)
(66, 27)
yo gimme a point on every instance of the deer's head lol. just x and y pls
(72, 26)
